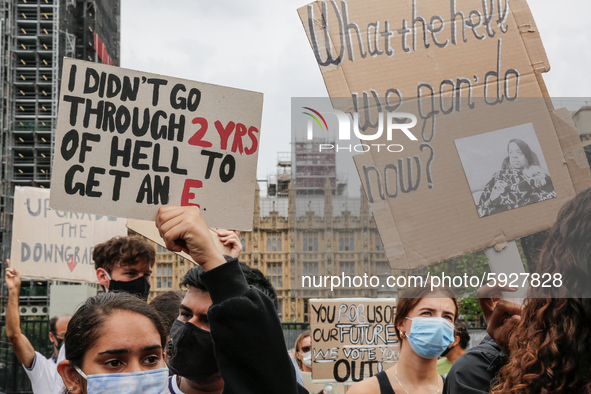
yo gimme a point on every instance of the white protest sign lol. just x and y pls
(53, 244)
(129, 142)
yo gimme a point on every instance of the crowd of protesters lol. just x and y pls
(221, 333)
(202, 340)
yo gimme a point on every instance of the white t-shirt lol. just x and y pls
(42, 374)
(173, 388)
(58, 383)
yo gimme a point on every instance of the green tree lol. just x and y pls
(472, 265)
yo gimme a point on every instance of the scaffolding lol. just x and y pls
(35, 90)
(35, 36)
(31, 64)
(6, 67)
(313, 167)
(278, 184)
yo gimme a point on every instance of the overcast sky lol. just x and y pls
(261, 46)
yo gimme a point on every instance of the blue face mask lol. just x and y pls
(151, 382)
(430, 336)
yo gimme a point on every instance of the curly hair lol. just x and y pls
(124, 251)
(550, 350)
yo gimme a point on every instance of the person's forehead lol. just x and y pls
(61, 325)
(118, 333)
(197, 300)
(306, 341)
(436, 302)
(140, 266)
(514, 146)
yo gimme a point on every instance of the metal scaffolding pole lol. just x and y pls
(5, 185)
(55, 73)
(7, 116)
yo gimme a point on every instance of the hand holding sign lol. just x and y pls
(500, 316)
(230, 239)
(183, 229)
(488, 298)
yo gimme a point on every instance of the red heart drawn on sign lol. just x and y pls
(72, 264)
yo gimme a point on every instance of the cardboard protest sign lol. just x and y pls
(352, 339)
(469, 73)
(54, 244)
(148, 229)
(129, 142)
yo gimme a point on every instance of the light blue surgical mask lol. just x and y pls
(146, 382)
(430, 336)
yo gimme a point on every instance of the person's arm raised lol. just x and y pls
(230, 238)
(500, 316)
(183, 229)
(20, 343)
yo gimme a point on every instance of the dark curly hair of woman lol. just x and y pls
(551, 346)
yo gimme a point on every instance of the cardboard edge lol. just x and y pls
(530, 36)
(352, 299)
(69, 60)
(572, 149)
(332, 72)
(148, 230)
(534, 47)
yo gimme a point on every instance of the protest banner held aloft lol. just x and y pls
(129, 142)
(469, 72)
(55, 244)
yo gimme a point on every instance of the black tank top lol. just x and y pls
(385, 386)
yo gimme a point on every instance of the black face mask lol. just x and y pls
(139, 287)
(59, 342)
(446, 351)
(190, 352)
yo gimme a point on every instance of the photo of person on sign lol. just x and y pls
(521, 181)
(505, 169)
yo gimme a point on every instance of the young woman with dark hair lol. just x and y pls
(425, 328)
(114, 344)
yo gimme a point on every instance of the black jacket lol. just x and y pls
(473, 372)
(247, 334)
